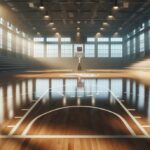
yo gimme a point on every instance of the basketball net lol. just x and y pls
(79, 55)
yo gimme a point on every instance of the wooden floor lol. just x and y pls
(73, 112)
(75, 144)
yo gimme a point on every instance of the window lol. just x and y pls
(23, 34)
(103, 50)
(66, 50)
(116, 39)
(149, 22)
(52, 39)
(134, 45)
(52, 50)
(41, 85)
(29, 48)
(89, 50)
(65, 39)
(116, 50)
(141, 97)
(116, 87)
(1, 38)
(9, 26)
(128, 36)
(149, 38)
(142, 27)
(103, 39)
(18, 43)
(70, 87)
(142, 44)
(39, 39)
(57, 85)
(1, 21)
(38, 50)
(9, 41)
(90, 87)
(17, 31)
(128, 47)
(90, 39)
(23, 46)
(134, 32)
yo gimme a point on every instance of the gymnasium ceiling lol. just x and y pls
(88, 15)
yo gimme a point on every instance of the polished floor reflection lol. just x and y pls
(75, 109)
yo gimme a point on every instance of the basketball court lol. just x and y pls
(73, 110)
(74, 75)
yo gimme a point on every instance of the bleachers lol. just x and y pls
(10, 62)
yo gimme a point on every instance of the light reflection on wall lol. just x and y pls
(116, 87)
(30, 90)
(141, 97)
(24, 92)
(90, 87)
(80, 88)
(134, 92)
(1, 105)
(102, 88)
(10, 101)
(64, 101)
(93, 101)
(128, 89)
(18, 97)
(41, 86)
(70, 87)
(148, 108)
(57, 88)
(78, 101)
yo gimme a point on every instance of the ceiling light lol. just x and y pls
(53, 29)
(78, 28)
(14, 9)
(31, 4)
(110, 16)
(116, 34)
(51, 24)
(98, 34)
(105, 24)
(38, 33)
(78, 22)
(102, 29)
(57, 34)
(46, 16)
(125, 5)
(34, 28)
(78, 34)
(116, 7)
(41, 5)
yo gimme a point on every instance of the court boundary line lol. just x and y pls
(26, 130)
(74, 137)
(26, 114)
(122, 105)
(130, 115)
